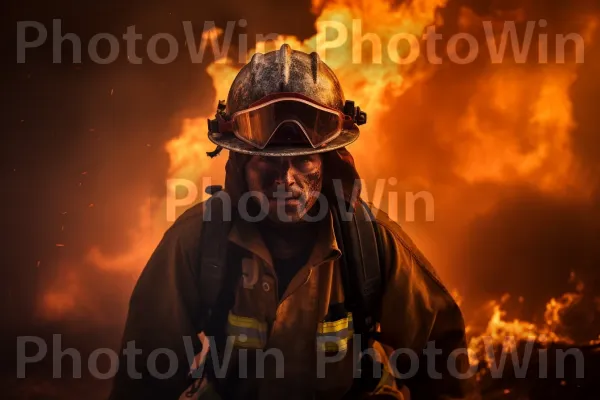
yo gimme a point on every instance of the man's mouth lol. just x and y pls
(293, 200)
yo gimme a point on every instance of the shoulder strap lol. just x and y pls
(213, 263)
(359, 241)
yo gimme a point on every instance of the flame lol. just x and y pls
(507, 334)
(508, 103)
(519, 122)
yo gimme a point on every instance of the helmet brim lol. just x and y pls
(232, 143)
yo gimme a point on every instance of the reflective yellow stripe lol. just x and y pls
(334, 336)
(335, 326)
(247, 332)
(246, 322)
(333, 346)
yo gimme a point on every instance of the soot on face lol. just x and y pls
(300, 177)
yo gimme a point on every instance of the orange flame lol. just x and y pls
(505, 333)
(494, 148)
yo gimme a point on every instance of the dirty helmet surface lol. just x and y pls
(285, 103)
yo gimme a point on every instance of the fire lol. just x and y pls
(520, 120)
(504, 333)
(508, 103)
(374, 85)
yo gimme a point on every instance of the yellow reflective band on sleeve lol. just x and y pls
(246, 322)
(247, 332)
(336, 326)
(333, 336)
(333, 346)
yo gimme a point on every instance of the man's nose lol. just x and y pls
(285, 174)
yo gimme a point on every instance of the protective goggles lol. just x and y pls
(257, 124)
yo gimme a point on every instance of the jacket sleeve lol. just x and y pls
(417, 312)
(162, 318)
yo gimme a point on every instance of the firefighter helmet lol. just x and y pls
(285, 102)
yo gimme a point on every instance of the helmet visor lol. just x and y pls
(257, 125)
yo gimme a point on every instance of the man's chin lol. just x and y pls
(290, 211)
(279, 221)
(287, 215)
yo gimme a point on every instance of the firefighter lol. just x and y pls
(268, 294)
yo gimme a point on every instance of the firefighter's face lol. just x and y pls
(291, 185)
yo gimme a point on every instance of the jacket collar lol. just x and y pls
(246, 235)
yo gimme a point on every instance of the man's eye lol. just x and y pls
(304, 163)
